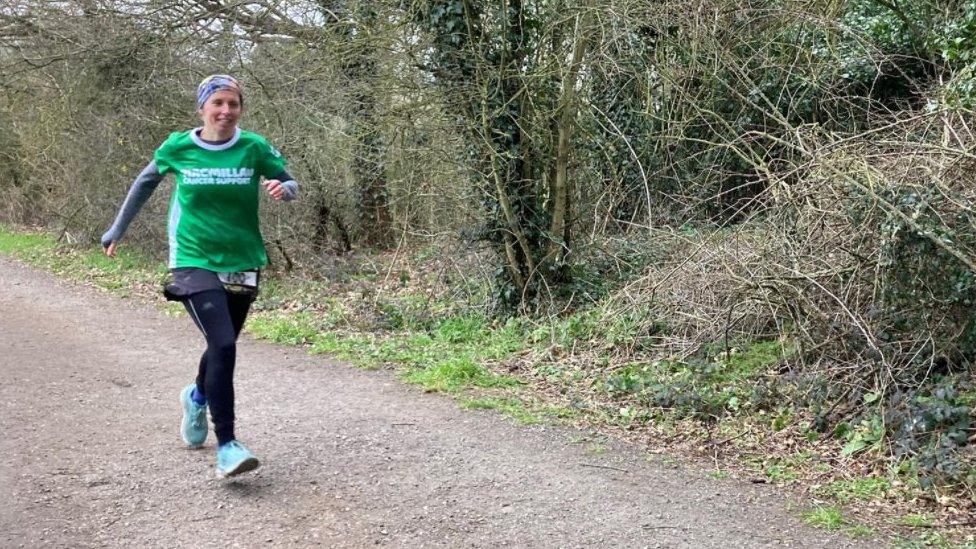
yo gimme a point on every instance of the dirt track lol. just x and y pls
(92, 456)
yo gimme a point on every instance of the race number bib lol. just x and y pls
(247, 279)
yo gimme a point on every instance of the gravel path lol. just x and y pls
(92, 455)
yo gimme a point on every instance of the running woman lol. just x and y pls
(215, 247)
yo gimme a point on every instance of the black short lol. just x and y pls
(188, 281)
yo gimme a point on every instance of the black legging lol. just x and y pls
(220, 316)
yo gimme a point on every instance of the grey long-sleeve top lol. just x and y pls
(143, 187)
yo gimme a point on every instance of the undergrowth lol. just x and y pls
(733, 397)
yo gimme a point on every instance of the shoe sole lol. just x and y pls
(185, 422)
(247, 464)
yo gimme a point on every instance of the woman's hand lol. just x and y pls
(275, 189)
(110, 249)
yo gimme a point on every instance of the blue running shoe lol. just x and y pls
(233, 459)
(193, 428)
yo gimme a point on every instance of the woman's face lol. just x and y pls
(221, 111)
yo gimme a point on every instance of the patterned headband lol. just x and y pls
(215, 83)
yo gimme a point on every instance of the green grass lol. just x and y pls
(288, 328)
(458, 373)
(560, 412)
(358, 349)
(781, 473)
(753, 359)
(783, 469)
(24, 244)
(860, 489)
(916, 521)
(462, 330)
(861, 531)
(596, 449)
(446, 356)
(829, 518)
(929, 540)
(712, 384)
(120, 275)
(833, 519)
(509, 407)
(519, 409)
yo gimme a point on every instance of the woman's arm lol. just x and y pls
(142, 188)
(282, 187)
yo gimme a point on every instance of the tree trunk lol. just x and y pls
(561, 191)
(370, 172)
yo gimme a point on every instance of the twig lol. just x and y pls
(67, 222)
(284, 254)
(604, 467)
(729, 439)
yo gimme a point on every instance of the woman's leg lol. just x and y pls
(213, 315)
(238, 305)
